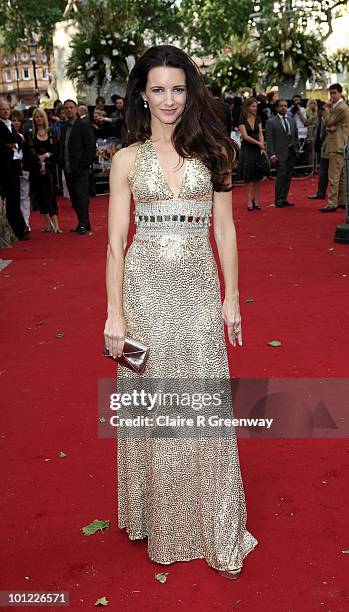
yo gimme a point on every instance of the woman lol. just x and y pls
(43, 171)
(312, 114)
(251, 169)
(17, 120)
(185, 495)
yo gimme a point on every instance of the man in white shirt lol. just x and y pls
(299, 115)
(10, 172)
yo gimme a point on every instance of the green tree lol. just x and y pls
(21, 20)
(238, 66)
(208, 25)
(111, 31)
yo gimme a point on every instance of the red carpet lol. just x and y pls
(297, 490)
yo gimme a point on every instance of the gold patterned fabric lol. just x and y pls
(184, 494)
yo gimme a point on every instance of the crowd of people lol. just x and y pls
(41, 151)
(273, 133)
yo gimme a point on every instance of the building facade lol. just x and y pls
(17, 79)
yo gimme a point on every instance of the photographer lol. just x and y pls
(298, 113)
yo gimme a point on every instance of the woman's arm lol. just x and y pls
(245, 136)
(118, 225)
(225, 237)
(261, 137)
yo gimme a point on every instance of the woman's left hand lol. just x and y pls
(232, 319)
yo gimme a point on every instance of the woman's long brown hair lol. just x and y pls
(199, 133)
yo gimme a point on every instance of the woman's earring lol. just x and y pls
(145, 104)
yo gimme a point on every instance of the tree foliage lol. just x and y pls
(20, 20)
(288, 51)
(210, 24)
(111, 31)
(238, 66)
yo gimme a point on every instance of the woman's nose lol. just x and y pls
(169, 98)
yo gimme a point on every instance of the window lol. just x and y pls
(44, 58)
(7, 76)
(45, 74)
(26, 75)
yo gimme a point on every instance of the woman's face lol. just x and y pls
(253, 108)
(312, 105)
(16, 124)
(39, 121)
(97, 118)
(166, 93)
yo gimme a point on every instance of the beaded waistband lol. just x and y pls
(173, 217)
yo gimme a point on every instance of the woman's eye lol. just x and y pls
(156, 90)
(180, 89)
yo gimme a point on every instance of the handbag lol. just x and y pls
(263, 164)
(134, 355)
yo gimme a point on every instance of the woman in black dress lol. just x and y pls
(251, 169)
(43, 171)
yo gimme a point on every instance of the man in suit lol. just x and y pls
(282, 146)
(11, 155)
(336, 120)
(77, 150)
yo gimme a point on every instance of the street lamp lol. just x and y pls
(32, 51)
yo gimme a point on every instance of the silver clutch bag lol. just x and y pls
(134, 355)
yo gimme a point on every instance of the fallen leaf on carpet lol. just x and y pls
(162, 577)
(96, 525)
(346, 552)
(47, 459)
(275, 343)
(40, 322)
(102, 601)
(249, 299)
(59, 335)
(61, 454)
(291, 248)
(102, 419)
(238, 601)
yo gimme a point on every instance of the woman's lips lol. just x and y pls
(168, 110)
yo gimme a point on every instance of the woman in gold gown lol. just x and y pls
(184, 494)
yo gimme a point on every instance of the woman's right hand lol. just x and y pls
(114, 334)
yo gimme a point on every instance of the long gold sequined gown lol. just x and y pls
(185, 495)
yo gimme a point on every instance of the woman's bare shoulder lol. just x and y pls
(125, 158)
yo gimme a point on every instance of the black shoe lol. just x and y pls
(250, 207)
(74, 229)
(279, 204)
(328, 209)
(82, 230)
(316, 196)
(25, 234)
(287, 203)
(255, 205)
